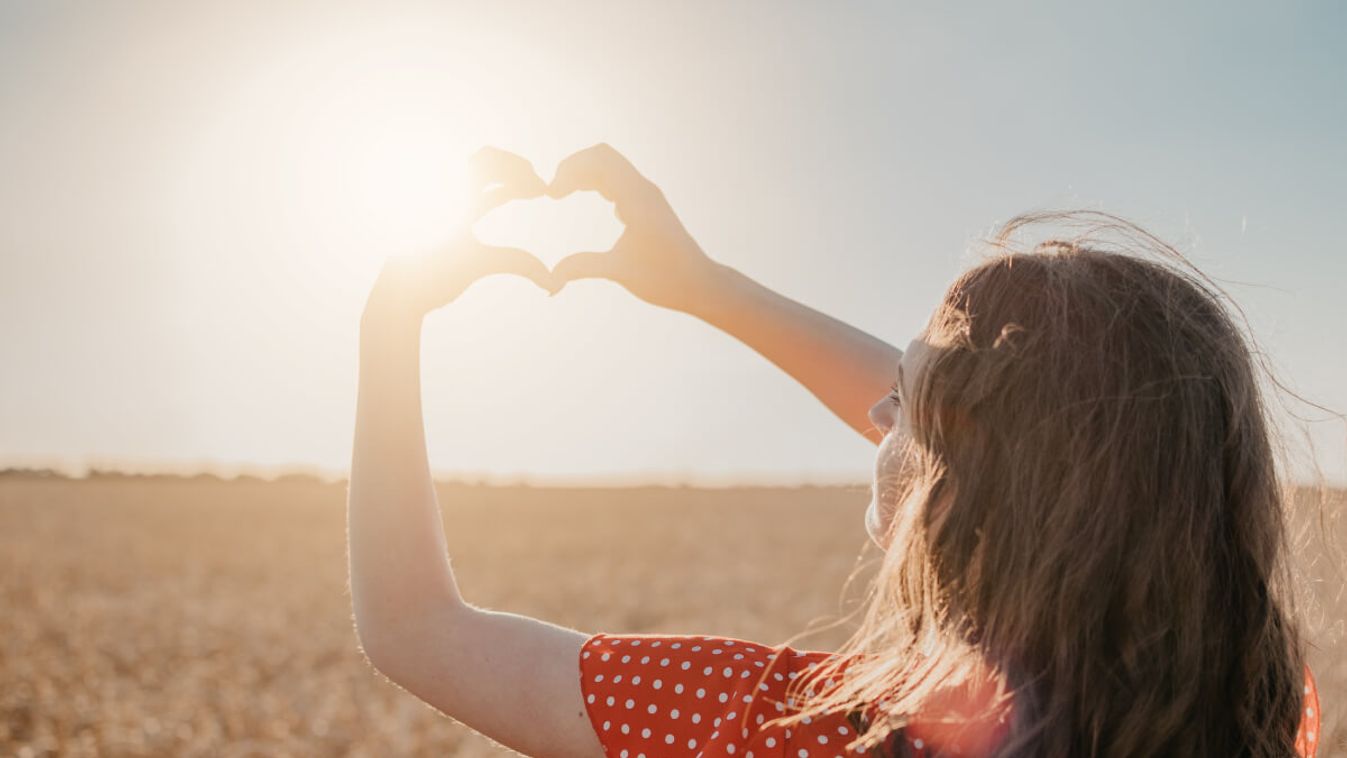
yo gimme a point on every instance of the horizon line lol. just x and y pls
(110, 467)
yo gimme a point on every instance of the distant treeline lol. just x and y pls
(112, 474)
(300, 478)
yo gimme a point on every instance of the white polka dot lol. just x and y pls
(823, 739)
(1309, 736)
(762, 687)
(626, 728)
(646, 733)
(748, 698)
(585, 654)
(636, 679)
(731, 716)
(730, 748)
(626, 659)
(590, 699)
(656, 643)
(696, 718)
(918, 744)
(607, 725)
(658, 683)
(686, 665)
(701, 692)
(696, 648)
(716, 722)
(771, 742)
(1309, 712)
(807, 720)
(645, 659)
(615, 642)
(669, 739)
(760, 718)
(605, 656)
(598, 677)
(803, 753)
(635, 642)
(678, 688)
(676, 645)
(664, 662)
(692, 744)
(624, 754)
(738, 656)
(749, 754)
(716, 651)
(724, 697)
(610, 700)
(707, 671)
(651, 708)
(841, 730)
(728, 672)
(630, 703)
(617, 679)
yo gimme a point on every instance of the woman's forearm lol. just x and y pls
(844, 367)
(399, 564)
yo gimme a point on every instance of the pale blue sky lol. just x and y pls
(195, 197)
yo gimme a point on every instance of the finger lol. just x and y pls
(495, 197)
(599, 168)
(582, 266)
(512, 260)
(490, 166)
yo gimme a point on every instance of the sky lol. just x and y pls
(196, 197)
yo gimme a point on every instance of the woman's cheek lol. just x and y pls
(874, 525)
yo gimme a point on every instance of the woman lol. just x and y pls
(1075, 490)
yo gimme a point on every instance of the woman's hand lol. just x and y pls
(414, 285)
(655, 258)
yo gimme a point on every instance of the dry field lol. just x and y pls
(159, 616)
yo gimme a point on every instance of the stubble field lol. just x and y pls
(184, 617)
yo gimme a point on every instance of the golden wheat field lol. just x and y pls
(187, 617)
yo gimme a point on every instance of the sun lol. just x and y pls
(390, 178)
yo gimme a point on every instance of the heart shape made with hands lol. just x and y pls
(552, 229)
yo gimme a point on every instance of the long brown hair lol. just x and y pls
(1090, 526)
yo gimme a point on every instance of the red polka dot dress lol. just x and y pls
(651, 696)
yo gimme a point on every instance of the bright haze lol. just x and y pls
(195, 198)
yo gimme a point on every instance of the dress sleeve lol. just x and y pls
(650, 695)
(1307, 736)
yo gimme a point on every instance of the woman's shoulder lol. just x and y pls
(649, 695)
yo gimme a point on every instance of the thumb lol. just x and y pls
(512, 260)
(582, 266)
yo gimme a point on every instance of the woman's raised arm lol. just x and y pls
(510, 677)
(657, 260)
